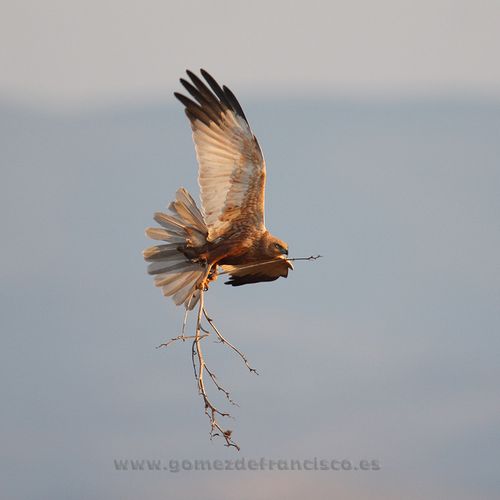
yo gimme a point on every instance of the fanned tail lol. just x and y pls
(178, 276)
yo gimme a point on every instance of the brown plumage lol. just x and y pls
(230, 232)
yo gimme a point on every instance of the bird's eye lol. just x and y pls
(281, 249)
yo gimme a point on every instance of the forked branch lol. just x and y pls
(200, 367)
(223, 340)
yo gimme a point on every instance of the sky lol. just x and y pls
(80, 53)
(381, 133)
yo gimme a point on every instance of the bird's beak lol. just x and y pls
(288, 263)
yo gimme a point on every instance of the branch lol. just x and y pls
(181, 337)
(200, 368)
(311, 257)
(223, 340)
(197, 357)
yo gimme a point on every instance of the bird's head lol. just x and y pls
(276, 247)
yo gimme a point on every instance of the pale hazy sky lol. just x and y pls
(387, 348)
(76, 52)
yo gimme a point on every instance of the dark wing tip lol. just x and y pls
(190, 74)
(205, 74)
(212, 100)
(184, 100)
(235, 105)
(204, 101)
(193, 110)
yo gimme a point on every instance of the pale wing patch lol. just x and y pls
(231, 175)
(231, 165)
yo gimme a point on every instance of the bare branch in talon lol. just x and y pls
(200, 368)
(223, 340)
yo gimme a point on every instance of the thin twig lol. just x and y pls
(210, 409)
(311, 257)
(219, 387)
(270, 261)
(184, 322)
(223, 340)
(183, 338)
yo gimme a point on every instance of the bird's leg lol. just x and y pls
(210, 256)
(211, 275)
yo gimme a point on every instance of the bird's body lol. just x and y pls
(230, 232)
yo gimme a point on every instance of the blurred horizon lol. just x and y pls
(252, 98)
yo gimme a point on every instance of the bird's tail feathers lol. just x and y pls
(177, 275)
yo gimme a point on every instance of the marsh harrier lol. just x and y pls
(229, 232)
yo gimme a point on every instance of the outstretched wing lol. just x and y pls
(232, 171)
(255, 273)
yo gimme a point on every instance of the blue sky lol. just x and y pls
(386, 349)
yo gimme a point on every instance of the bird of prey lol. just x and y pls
(228, 232)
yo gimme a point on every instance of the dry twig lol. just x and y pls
(223, 340)
(200, 366)
(210, 409)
